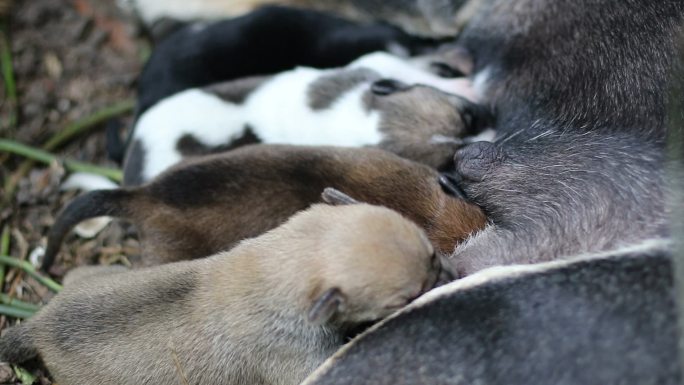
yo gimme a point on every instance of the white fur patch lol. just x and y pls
(87, 182)
(206, 117)
(187, 10)
(481, 80)
(487, 135)
(441, 139)
(409, 72)
(279, 112)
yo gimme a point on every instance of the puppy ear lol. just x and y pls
(329, 303)
(335, 197)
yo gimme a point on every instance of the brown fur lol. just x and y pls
(267, 312)
(207, 205)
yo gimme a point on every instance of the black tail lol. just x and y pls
(90, 205)
(116, 148)
(16, 346)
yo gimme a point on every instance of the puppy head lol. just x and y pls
(423, 123)
(371, 262)
(421, 107)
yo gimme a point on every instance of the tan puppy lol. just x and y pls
(207, 205)
(267, 312)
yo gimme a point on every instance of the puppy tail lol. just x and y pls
(16, 346)
(93, 204)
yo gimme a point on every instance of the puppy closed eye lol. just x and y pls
(444, 70)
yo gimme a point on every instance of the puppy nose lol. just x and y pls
(387, 86)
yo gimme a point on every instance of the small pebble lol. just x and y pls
(6, 373)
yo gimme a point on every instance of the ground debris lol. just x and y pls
(70, 59)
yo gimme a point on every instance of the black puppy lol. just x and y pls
(266, 41)
(580, 91)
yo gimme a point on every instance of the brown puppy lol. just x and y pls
(206, 205)
(267, 312)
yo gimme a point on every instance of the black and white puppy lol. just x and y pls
(354, 106)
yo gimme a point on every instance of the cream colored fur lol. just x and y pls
(267, 312)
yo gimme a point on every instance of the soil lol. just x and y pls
(70, 59)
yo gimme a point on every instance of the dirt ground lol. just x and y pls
(71, 59)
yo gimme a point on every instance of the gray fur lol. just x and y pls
(597, 321)
(16, 345)
(579, 161)
(561, 195)
(325, 90)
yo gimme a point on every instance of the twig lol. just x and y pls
(15, 312)
(4, 250)
(46, 157)
(12, 181)
(82, 125)
(8, 300)
(8, 75)
(30, 270)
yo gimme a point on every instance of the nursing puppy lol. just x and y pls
(579, 89)
(306, 106)
(269, 40)
(206, 205)
(606, 319)
(267, 312)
